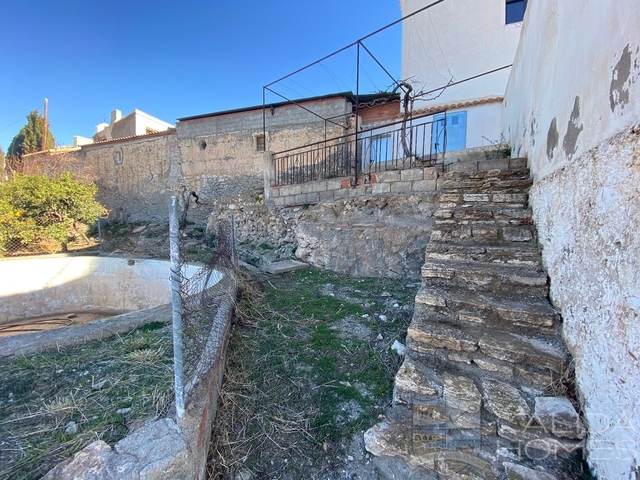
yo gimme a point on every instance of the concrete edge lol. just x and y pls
(28, 343)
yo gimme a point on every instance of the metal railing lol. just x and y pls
(408, 143)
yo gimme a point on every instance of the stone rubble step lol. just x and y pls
(493, 183)
(482, 232)
(453, 206)
(515, 254)
(484, 165)
(495, 199)
(540, 352)
(533, 314)
(493, 278)
(284, 266)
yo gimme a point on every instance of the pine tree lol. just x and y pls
(29, 139)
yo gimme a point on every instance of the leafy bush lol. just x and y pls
(39, 214)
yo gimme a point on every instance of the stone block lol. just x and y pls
(559, 417)
(401, 187)
(341, 193)
(378, 188)
(313, 197)
(358, 191)
(291, 190)
(410, 379)
(520, 472)
(334, 183)
(279, 202)
(320, 186)
(450, 197)
(512, 349)
(475, 197)
(413, 174)
(300, 199)
(534, 442)
(493, 366)
(463, 402)
(517, 234)
(389, 176)
(510, 197)
(308, 187)
(326, 196)
(274, 192)
(506, 402)
(485, 233)
(423, 185)
(442, 336)
(430, 173)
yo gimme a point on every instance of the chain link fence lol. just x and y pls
(196, 300)
(42, 235)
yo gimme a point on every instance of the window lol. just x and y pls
(259, 143)
(515, 11)
(117, 157)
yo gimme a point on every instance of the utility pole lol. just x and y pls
(44, 130)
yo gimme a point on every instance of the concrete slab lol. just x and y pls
(284, 266)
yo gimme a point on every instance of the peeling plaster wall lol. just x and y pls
(571, 103)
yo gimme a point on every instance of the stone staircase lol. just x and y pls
(480, 392)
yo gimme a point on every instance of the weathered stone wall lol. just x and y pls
(571, 103)
(361, 233)
(219, 154)
(134, 177)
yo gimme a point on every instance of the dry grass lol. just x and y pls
(54, 404)
(306, 372)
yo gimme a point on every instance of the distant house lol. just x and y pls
(135, 124)
(451, 43)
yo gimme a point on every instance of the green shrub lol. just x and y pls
(41, 214)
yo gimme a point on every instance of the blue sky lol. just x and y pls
(175, 59)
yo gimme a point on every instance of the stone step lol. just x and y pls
(453, 198)
(485, 165)
(497, 279)
(491, 184)
(482, 233)
(449, 211)
(514, 254)
(475, 344)
(465, 307)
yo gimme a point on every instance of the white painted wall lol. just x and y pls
(572, 49)
(483, 124)
(571, 101)
(144, 121)
(456, 40)
(453, 41)
(35, 286)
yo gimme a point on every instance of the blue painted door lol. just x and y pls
(455, 135)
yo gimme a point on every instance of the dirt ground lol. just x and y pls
(310, 368)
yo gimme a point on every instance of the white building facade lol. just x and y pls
(453, 42)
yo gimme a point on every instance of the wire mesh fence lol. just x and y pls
(21, 236)
(196, 298)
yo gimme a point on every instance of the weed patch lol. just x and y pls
(54, 404)
(309, 368)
